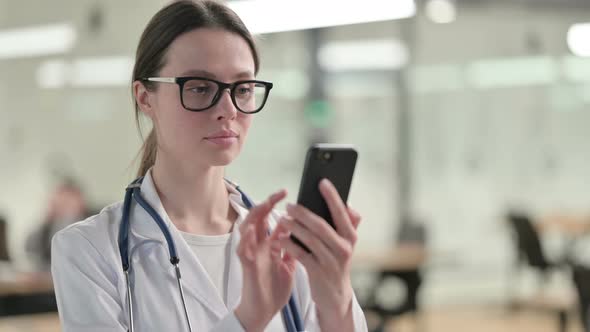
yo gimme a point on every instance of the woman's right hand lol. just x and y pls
(267, 276)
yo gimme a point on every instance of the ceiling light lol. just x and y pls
(386, 54)
(267, 16)
(36, 41)
(578, 39)
(86, 72)
(441, 11)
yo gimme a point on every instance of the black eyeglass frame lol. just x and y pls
(221, 87)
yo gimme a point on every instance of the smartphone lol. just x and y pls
(335, 162)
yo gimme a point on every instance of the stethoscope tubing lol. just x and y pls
(290, 313)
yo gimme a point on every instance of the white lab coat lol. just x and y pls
(91, 290)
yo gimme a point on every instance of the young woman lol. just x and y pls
(187, 250)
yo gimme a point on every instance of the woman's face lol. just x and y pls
(201, 138)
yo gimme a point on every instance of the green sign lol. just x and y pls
(319, 113)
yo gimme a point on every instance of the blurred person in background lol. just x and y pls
(66, 205)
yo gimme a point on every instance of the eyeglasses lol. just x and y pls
(199, 94)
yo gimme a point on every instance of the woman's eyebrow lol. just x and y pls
(207, 74)
(244, 75)
(198, 72)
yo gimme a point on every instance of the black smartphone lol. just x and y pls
(335, 162)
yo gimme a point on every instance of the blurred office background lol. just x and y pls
(470, 117)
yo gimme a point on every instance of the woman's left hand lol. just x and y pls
(328, 264)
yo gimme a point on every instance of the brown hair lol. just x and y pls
(167, 24)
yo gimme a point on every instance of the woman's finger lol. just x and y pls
(279, 231)
(338, 210)
(259, 212)
(355, 217)
(316, 225)
(313, 242)
(262, 227)
(289, 263)
(245, 248)
(296, 252)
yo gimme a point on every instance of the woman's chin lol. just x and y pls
(213, 155)
(223, 158)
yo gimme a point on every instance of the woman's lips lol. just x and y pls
(223, 138)
(223, 141)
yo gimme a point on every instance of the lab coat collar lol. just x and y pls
(196, 281)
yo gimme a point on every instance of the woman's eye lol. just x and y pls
(199, 89)
(244, 90)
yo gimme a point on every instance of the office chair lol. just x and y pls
(409, 278)
(529, 252)
(4, 254)
(581, 278)
(528, 245)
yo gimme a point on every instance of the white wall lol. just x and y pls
(479, 151)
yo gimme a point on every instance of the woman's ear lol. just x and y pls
(143, 98)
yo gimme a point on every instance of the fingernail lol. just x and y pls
(325, 183)
(290, 206)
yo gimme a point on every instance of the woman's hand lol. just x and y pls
(328, 264)
(267, 276)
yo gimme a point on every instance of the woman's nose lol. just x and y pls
(225, 106)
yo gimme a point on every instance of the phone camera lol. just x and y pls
(327, 156)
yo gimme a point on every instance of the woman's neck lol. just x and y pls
(196, 200)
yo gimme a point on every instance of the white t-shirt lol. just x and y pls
(213, 252)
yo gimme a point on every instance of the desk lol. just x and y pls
(402, 263)
(402, 257)
(31, 323)
(27, 293)
(573, 232)
(568, 225)
(26, 284)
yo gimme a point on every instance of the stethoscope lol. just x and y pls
(290, 313)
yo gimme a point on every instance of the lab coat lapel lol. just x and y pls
(234, 283)
(195, 279)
